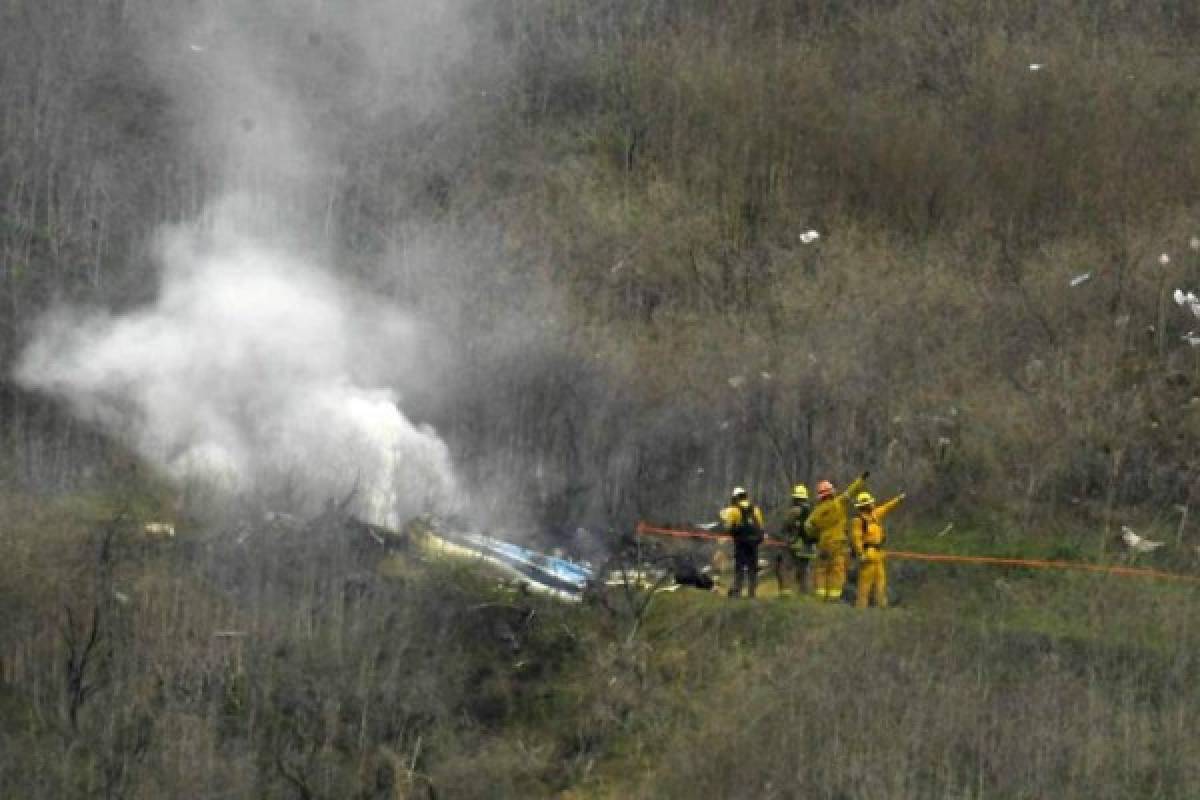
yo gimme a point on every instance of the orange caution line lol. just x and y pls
(643, 529)
(995, 561)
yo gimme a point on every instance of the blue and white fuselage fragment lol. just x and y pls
(540, 572)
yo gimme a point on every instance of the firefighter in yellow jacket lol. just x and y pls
(744, 522)
(827, 524)
(869, 535)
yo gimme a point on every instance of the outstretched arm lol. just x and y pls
(883, 509)
(856, 485)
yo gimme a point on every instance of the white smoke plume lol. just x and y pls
(255, 368)
(249, 371)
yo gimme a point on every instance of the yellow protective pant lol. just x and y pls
(872, 580)
(830, 576)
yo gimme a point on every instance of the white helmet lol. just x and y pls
(738, 493)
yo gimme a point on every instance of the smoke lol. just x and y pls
(255, 368)
(251, 370)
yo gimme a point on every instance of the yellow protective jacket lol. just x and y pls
(867, 531)
(731, 516)
(827, 522)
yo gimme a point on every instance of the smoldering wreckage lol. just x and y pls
(841, 564)
(554, 574)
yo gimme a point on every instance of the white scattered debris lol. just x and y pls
(708, 526)
(1137, 543)
(737, 381)
(1164, 259)
(1194, 243)
(946, 529)
(1188, 299)
(699, 470)
(158, 529)
(1192, 338)
(645, 578)
(121, 597)
(724, 425)
(766, 376)
(1081, 278)
(1121, 321)
(1035, 67)
(196, 48)
(809, 236)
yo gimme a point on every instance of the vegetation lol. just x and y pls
(303, 661)
(599, 206)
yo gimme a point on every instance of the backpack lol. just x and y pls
(794, 528)
(747, 529)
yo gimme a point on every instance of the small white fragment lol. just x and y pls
(158, 529)
(1191, 338)
(1180, 297)
(766, 376)
(809, 236)
(196, 48)
(1164, 259)
(1194, 243)
(737, 381)
(1035, 67)
(1081, 278)
(1137, 543)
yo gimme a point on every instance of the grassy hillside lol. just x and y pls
(599, 209)
(277, 661)
(602, 214)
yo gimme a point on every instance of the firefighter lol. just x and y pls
(798, 546)
(744, 522)
(869, 535)
(827, 525)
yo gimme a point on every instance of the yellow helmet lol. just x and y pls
(799, 492)
(864, 500)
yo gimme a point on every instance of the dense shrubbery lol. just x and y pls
(620, 187)
(300, 660)
(600, 208)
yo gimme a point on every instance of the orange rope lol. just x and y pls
(643, 529)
